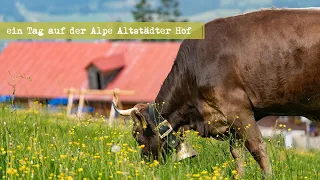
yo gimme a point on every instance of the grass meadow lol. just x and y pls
(36, 144)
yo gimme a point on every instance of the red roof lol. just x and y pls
(108, 63)
(54, 66)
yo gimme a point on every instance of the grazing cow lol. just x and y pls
(248, 66)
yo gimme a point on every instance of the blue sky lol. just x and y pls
(194, 10)
(206, 10)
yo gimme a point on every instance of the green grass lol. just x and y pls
(35, 144)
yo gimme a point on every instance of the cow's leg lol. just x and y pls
(247, 128)
(238, 156)
(236, 107)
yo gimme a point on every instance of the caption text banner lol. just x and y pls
(101, 30)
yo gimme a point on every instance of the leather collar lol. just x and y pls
(163, 127)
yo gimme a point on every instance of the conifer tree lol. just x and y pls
(143, 12)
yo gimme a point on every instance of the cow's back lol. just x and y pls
(274, 55)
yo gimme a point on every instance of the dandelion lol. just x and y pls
(12, 171)
(80, 170)
(155, 163)
(96, 157)
(115, 148)
(204, 172)
(196, 175)
(224, 164)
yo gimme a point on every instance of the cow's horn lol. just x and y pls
(126, 112)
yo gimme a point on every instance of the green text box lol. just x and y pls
(101, 30)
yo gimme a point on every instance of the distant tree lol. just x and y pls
(143, 12)
(168, 11)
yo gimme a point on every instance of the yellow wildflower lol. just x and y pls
(155, 163)
(204, 172)
(80, 169)
(195, 175)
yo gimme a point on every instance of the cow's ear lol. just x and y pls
(142, 107)
(139, 118)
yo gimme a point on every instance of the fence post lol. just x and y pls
(70, 101)
(81, 102)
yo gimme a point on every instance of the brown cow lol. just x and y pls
(248, 66)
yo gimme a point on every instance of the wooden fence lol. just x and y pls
(82, 92)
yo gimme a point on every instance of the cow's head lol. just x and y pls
(153, 133)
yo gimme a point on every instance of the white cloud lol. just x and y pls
(226, 3)
(118, 4)
(121, 4)
(251, 10)
(94, 17)
(244, 3)
(24, 12)
(213, 14)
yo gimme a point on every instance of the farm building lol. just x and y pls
(43, 70)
